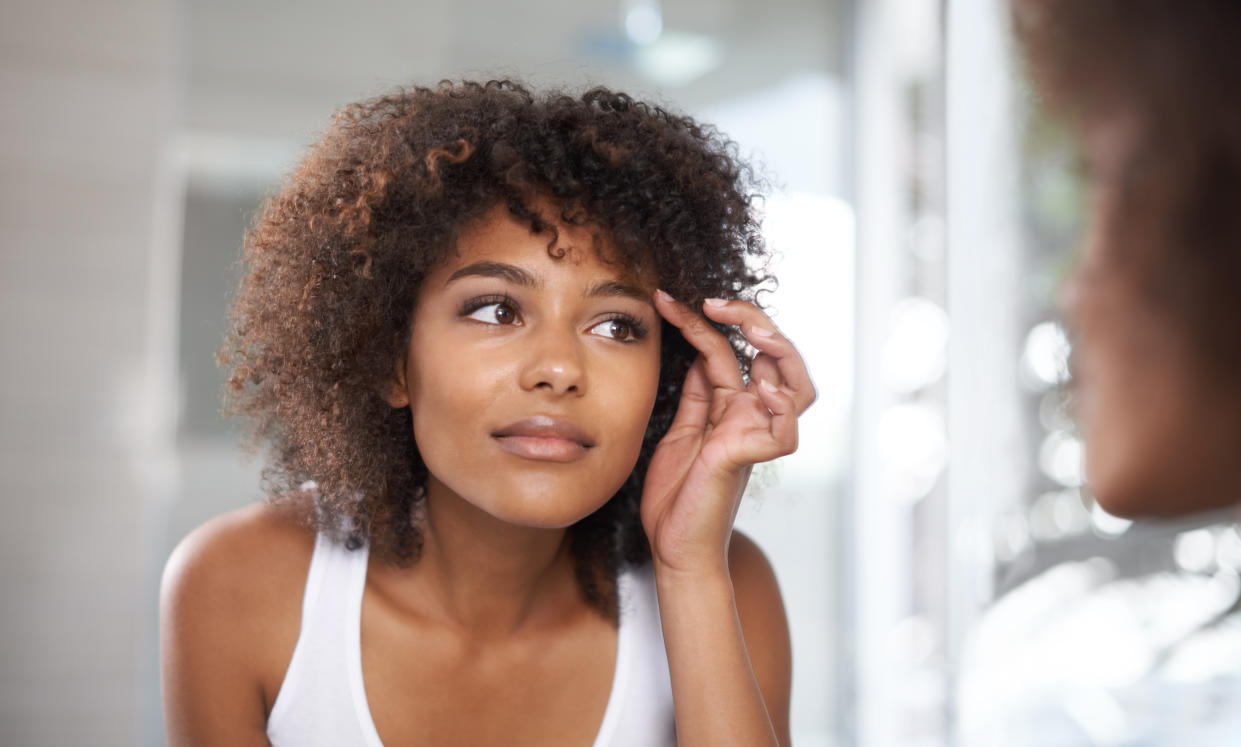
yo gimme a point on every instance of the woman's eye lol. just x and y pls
(494, 313)
(617, 329)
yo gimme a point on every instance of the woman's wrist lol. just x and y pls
(696, 577)
(715, 693)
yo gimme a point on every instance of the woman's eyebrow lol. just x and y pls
(500, 270)
(609, 288)
(517, 276)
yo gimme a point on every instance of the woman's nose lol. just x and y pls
(554, 364)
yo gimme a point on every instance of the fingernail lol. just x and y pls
(764, 383)
(715, 302)
(659, 293)
(761, 331)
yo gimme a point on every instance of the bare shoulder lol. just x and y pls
(754, 580)
(764, 625)
(230, 611)
(241, 573)
(237, 551)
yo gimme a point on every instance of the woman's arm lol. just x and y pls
(229, 616)
(765, 625)
(729, 652)
(722, 616)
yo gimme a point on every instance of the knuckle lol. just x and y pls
(695, 324)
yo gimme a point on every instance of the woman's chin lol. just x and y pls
(1178, 482)
(540, 510)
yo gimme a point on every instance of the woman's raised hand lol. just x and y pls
(722, 428)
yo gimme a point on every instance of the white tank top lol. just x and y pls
(322, 701)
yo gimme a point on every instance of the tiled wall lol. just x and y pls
(84, 103)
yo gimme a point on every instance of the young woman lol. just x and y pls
(1088, 653)
(1151, 87)
(495, 343)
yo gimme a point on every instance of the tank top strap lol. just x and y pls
(639, 711)
(322, 699)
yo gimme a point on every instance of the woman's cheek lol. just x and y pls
(1147, 423)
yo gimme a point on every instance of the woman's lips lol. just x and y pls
(544, 438)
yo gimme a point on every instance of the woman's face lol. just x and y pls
(1160, 439)
(530, 378)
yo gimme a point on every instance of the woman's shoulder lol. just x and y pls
(764, 623)
(232, 590)
(259, 548)
(751, 572)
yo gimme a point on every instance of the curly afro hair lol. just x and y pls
(1170, 71)
(336, 257)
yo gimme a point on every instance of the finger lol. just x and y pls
(695, 404)
(719, 360)
(784, 412)
(768, 430)
(763, 335)
(764, 367)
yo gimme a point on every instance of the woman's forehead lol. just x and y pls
(501, 238)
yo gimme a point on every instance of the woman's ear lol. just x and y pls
(397, 394)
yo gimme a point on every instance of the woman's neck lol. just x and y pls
(486, 575)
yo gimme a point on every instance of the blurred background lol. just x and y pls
(947, 575)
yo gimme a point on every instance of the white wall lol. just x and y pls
(85, 101)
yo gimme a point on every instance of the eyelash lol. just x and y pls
(637, 329)
(478, 302)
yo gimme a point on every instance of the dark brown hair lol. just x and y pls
(336, 257)
(1169, 71)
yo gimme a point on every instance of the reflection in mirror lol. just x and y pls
(258, 86)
